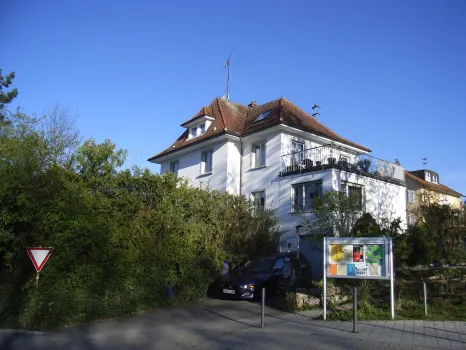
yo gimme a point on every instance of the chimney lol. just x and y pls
(253, 104)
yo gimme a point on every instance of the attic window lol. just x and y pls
(262, 116)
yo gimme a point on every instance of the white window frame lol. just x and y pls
(174, 167)
(297, 152)
(411, 196)
(261, 157)
(345, 188)
(434, 179)
(302, 207)
(428, 177)
(207, 167)
(201, 126)
(259, 192)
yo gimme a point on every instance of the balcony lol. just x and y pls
(335, 157)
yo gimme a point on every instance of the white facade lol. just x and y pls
(257, 170)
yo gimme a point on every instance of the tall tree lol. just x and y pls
(6, 96)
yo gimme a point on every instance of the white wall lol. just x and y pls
(262, 178)
(233, 159)
(382, 199)
(190, 167)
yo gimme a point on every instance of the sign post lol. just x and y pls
(358, 258)
(39, 257)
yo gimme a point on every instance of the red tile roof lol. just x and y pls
(236, 119)
(433, 187)
(204, 111)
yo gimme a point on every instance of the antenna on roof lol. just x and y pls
(227, 67)
(315, 114)
(424, 162)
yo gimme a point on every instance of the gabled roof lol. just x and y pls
(228, 119)
(204, 111)
(284, 112)
(239, 120)
(433, 187)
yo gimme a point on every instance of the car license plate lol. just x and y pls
(228, 291)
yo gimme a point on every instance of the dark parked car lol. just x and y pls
(273, 272)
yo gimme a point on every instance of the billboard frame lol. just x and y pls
(388, 266)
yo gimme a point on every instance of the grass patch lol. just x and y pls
(408, 309)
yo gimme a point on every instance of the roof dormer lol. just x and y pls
(198, 124)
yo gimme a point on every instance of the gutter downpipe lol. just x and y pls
(241, 166)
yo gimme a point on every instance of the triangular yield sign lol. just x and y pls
(39, 256)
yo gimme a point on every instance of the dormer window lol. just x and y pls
(428, 177)
(198, 125)
(434, 179)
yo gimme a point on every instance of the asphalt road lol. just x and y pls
(218, 324)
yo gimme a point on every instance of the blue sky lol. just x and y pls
(390, 75)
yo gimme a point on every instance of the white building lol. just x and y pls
(282, 158)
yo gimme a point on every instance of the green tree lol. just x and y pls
(6, 96)
(334, 214)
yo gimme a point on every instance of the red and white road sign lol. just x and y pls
(39, 256)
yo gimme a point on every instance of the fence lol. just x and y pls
(333, 156)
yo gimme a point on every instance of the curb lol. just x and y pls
(20, 331)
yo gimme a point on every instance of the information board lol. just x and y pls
(360, 258)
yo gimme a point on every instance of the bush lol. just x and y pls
(287, 302)
(121, 238)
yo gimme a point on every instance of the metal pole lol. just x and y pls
(37, 280)
(355, 309)
(425, 297)
(324, 302)
(392, 282)
(262, 307)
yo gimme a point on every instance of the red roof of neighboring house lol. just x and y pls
(433, 187)
(239, 120)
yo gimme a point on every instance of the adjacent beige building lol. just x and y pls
(423, 186)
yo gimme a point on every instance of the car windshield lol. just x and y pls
(258, 265)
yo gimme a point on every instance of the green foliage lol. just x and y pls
(334, 213)
(6, 96)
(287, 302)
(121, 238)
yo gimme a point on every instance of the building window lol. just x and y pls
(201, 129)
(434, 179)
(411, 220)
(410, 196)
(262, 116)
(443, 199)
(428, 177)
(303, 195)
(174, 166)
(258, 155)
(259, 200)
(297, 148)
(355, 191)
(192, 132)
(206, 164)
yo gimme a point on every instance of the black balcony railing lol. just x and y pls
(331, 156)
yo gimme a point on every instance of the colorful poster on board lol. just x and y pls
(336, 252)
(348, 253)
(374, 254)
(357, 257)
(341, 269)
(350, 270)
